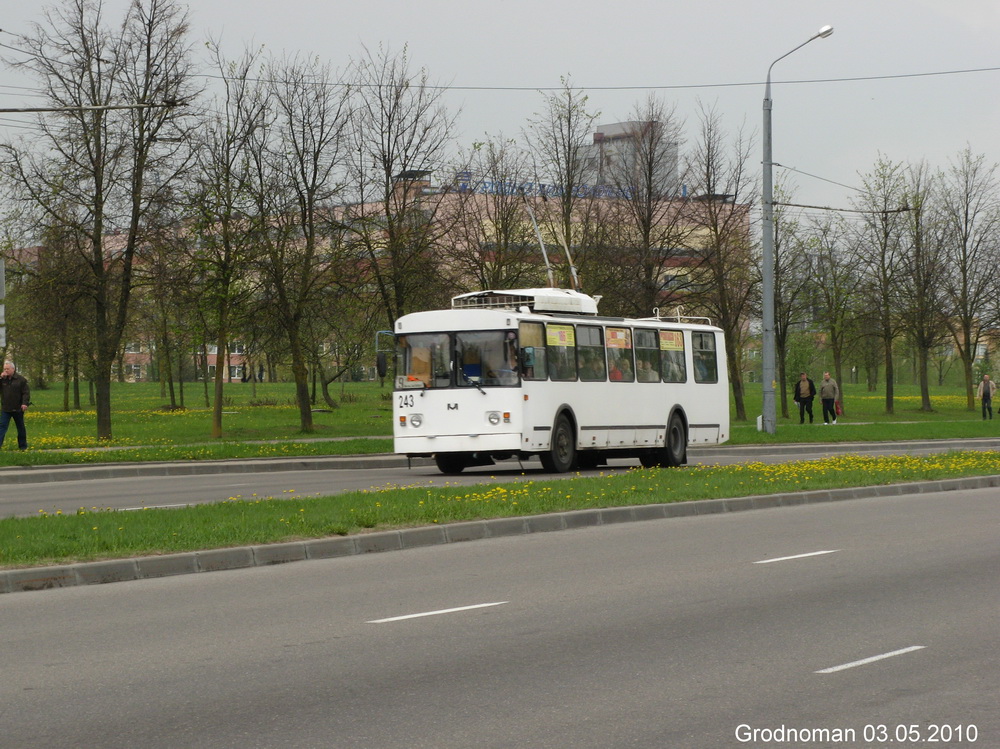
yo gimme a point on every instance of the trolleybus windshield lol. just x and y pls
(480, 358)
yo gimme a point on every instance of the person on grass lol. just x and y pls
(15, 397)
(803, 394)
(985, 394)
(829, 393)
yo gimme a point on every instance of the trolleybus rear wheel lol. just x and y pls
(674, 452)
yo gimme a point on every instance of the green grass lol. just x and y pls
(266, 424)
(144, 430)
(92, 533)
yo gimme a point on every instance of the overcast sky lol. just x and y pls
(887, 81)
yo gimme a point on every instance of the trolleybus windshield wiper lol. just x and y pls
(472, 381)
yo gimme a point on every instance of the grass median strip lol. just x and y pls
(93, 533)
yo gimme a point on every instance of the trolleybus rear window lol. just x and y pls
(706, 364)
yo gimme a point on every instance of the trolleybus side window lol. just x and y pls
(560, 343)
(590, 353)
(672, 356)
(422, 360)
(647, 356)
(532, 336)
(706, 365)
(620, 366)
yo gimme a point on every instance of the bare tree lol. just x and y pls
(94, 162)
(880, 253)
(221, 203)
(970, 201)
(794, 284)
(923, 276)
(726, 270)
(401, 133)
(836, 285)
(648, 224)
(492, 245)
(299, 176)
(558, 137)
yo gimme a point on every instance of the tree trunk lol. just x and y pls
(970, 387)
(890, 377)
(102, 391)
(220, 347)
(301, 374)
(66, 382)
(204, 372)
(736, 378)
(925, 392)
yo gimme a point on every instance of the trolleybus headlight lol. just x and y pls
(493, 417)
(416, 420)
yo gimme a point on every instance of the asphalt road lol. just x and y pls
(172, 490)
(671, 633)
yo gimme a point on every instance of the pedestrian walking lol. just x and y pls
(803, 394)
(15, 397)
(829, 394)
(985, 394)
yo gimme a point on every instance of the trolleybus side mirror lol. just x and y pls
(381, 365)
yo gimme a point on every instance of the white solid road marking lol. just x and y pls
(798, 556)
(874, 658)
(435, 613)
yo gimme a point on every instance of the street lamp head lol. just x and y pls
(824, 32)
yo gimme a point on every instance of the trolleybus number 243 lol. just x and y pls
(537, 372)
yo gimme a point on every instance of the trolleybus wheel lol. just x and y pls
(675, 451)
(562, 454)
(451, 463)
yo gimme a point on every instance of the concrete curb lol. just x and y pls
(143, 568)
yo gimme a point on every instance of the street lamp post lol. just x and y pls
(769, 414)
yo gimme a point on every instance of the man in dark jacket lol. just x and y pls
(803, 394)
(15, 397)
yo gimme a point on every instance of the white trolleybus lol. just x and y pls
(537, 372)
